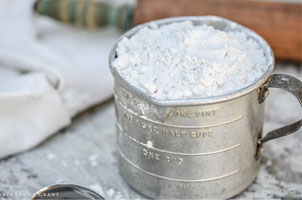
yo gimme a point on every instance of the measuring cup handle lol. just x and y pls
(290, 84)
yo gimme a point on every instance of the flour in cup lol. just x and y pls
(184, 61)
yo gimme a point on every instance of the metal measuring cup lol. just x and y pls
(196, 148)
(66, 191)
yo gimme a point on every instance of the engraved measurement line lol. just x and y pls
(174, 179)
(175, 153)
(177, 126)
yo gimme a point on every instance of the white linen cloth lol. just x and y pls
(49, 72)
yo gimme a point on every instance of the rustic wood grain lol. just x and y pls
(278, 22)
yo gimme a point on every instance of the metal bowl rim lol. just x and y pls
(48, 187)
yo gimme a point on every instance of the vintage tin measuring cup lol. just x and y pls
(196, 148)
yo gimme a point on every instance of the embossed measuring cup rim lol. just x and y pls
(217, 22)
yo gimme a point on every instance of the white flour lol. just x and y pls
(181, 61)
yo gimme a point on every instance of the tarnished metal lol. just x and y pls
(194, 148)
(66, 191)
(263, 91)
(290, 84)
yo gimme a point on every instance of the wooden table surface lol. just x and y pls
(84, 153)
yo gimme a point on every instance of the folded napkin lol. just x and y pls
(49, 72)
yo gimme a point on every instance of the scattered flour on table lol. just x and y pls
(51, 156)
(181, 61)
(93, 160)
(107, 194)
(64, 163)
(59, 181)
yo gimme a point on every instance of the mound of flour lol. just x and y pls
(181, 61)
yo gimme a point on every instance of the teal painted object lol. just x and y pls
(86, 13)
